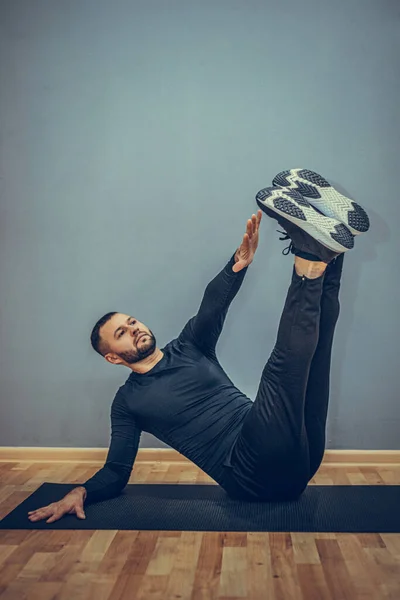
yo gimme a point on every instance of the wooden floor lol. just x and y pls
(148, 565)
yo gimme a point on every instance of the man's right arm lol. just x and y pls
(111, 479)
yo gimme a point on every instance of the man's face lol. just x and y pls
(130, 341)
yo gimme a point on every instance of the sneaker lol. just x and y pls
(310, 231)
(325, 198)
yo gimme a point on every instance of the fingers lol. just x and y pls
(51, 514)
(253, 223)
(257, 220)
(40, 513)
(57, 515)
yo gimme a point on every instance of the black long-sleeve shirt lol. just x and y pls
(186, 400)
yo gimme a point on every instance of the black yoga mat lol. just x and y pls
(199, 507)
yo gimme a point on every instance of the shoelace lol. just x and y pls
(286, 237)
(291, 245)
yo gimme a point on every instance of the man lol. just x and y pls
(268, 449)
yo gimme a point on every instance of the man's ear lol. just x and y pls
(112, 360)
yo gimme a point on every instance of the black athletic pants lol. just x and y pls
(282, 441)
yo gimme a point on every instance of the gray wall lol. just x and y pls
(134, 138)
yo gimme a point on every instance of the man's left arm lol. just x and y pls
(204, 329)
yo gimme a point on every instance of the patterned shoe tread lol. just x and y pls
(305, 189)
(358, 218)
(313, 177)
(289, 208)
(343, 236)
(263, 194)
(329, 201)
(310, 191)
(281, 179)
(297, 197)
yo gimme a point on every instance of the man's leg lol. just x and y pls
(271, 457)
(317, 396)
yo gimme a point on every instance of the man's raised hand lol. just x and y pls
(245, 253)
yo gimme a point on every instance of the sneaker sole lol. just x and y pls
(325, 198)
(291, 205)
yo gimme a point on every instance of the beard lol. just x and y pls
(144, 348)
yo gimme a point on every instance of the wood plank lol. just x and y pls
(156, 565)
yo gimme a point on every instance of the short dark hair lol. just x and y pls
(98, 343)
